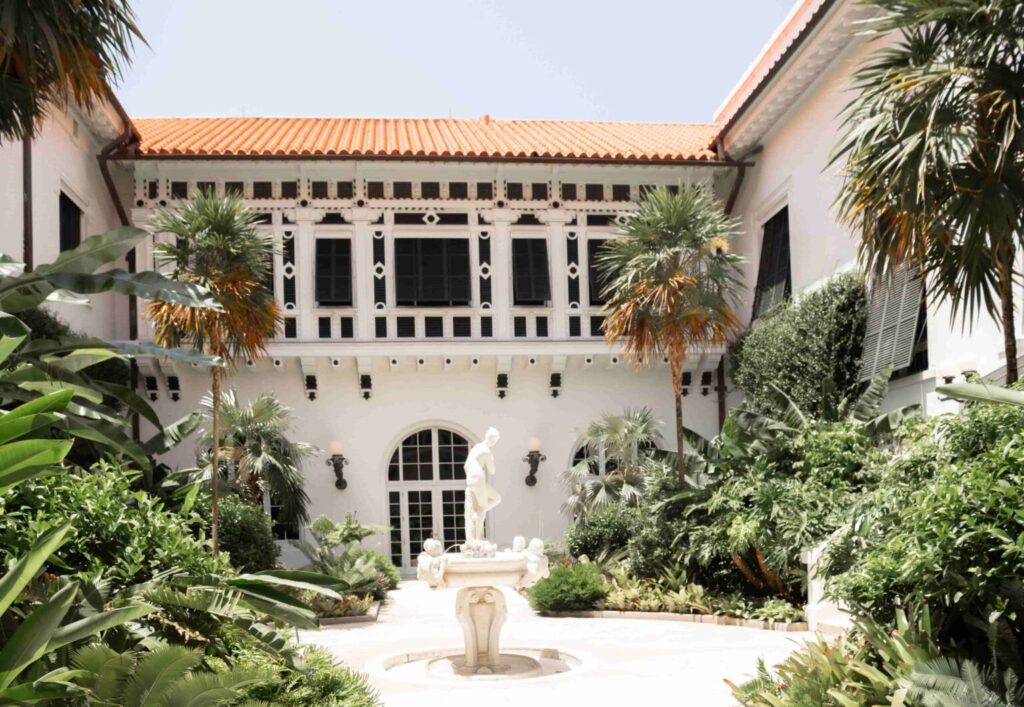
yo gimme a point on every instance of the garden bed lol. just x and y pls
(689, 618)
(369, 617)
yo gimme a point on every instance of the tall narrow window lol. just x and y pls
(774, 284)
(531, 284)
(334, 272)
(70, 223)
(432, 272)
(597, 280)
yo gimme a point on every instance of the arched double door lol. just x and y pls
(426, 488)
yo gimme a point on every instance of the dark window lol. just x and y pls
(597, 280)
(774, 284)
(433, 326)
(430, 190)
(324, 327)
(539, 191)
(646, 189)
(514, 190)
(290, 330)
(542, 326)
(458, 190)
(620, 192)
(70, 223)
(262, 190)
(596, 326)
(600, 220)
(345, 190)
(462, 326)
(208, 188)
(234, 188)
(484, 190)
(595, 192)
(407, 218)
(153, 189)
(282, 530)
(319, 190)
(333, 218)
(574, 326)
(402, 190)
(672, 189)
(432, 271)
(406, 327)
(380, 326)
(334, 272)
(375, 190)
(290, 190)
(452, 219)
(568, 192)
(519, 326)
(530, 282)
(179, 190)
(486, 327)
(346, 328)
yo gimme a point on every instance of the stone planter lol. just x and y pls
(669, 616)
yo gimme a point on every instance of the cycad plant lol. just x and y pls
(255, 449)
(673, 283)
(934, 153)
(626, 444)
(216, 244)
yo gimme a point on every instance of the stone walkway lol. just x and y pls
(623, 660)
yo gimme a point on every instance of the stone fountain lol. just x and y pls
(478, 570)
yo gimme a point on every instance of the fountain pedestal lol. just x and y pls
(481, 611)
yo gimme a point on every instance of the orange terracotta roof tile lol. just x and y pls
(442, 138)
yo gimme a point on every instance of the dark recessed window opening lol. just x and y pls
(672, 188)
(334, 272)
(333, 218)
(375, 190)
(519, 326)
(568, 192)
(208, 188)
(347, 331)
(432, 272)
(539, 191)
(531, 284)
(179, 190)
(484, 190)
(319, 190)
(597, 326)
(514, 190)
(452, 219)
(345, 190)
(410, 219)
(290, 330)
(542, 326)
(263, 217)
(529, 220)
(290, 190)
(380, 326)
(324, 327)
(402, 190)
(430, 190)
(152, 189)
(234, 188)
(406, 327)
(458, 190)
(262, 190)
(620, 192)
(70, 223)
(595, 192)
(646, 189)
(774, 284)
(462, 326)
(597, 280)
(600, 220)
(486, 327)
(574, 326)
(433, 327)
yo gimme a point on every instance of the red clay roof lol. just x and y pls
(444, 138)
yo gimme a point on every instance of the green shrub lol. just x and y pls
(605, 529)
(388, 577)
(799, 345)
(245, 534)
(577, 587)
(317, 681)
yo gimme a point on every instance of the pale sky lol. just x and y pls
(646, 60)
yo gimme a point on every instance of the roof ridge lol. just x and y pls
(586, 121)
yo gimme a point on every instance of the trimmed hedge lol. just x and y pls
(799, 345)
(606, 528)
(245, 534)
(576, 587)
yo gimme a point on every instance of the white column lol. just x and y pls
(501, 273)
(305, 272)
(362, 271)
(559, 327)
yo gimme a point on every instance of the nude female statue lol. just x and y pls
(480, 495)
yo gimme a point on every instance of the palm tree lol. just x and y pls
(216, 245)
(626, 445)
(256, 450)
(51, 52)
(934, 153)
(672, 283)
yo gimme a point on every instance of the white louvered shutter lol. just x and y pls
(892, 323)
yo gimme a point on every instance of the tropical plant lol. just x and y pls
(672, 283)
(626, 444)
(608, 527)
(51, 53)
(246, 534)
(576, 587)
(217, 246)
(256, 452)
(335, 552)
(934, 153)
(942, 682)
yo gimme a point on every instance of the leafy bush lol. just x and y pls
(316, 680)
(335, 551)
(802, 344)
(245, 534)
(329, 607)
(387, 574)
(577, 587)
(606, 528)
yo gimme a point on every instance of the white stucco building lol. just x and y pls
(435, 276)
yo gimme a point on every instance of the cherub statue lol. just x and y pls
(480, 495)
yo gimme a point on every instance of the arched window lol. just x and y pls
(597, 461)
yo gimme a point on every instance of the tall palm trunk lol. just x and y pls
(1008, 319)
(215, 460)
(677, 387)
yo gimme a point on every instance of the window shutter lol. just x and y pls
(432, 272)
(333, 272)
(531, 283)
(774, 283)
(892, 323)
(597, 282)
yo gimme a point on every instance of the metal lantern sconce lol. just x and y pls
(338, 462)
(533, 458)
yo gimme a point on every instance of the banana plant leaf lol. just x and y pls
(26, 567)
(148, 285)
(982, 393)
(31, 638)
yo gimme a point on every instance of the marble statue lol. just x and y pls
(480, 495)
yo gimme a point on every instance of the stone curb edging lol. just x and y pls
(369, 617)
(689, 618)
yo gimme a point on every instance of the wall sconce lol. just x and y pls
(533, 458)
(947, 370)
(338, 462)
(966, 365)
